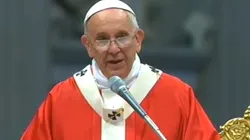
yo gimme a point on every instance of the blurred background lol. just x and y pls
(205, 43)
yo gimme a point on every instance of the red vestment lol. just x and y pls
(67, 115)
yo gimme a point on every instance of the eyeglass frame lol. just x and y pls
(109, 41)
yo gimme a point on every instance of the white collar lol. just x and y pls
(102, 81)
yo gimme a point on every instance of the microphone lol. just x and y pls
(118, 86)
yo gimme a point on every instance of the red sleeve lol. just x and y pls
(197, 125)
(40, 126)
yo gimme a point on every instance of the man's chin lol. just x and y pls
(121, 73)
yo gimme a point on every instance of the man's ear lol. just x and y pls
(86, 43)
(139, 38)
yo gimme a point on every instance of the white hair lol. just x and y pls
(131, 17)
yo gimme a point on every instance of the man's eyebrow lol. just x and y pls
(122, 33)
(101, 35)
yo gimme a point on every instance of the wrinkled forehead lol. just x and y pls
(109, 12)
(110, 21)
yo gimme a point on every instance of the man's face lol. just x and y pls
(114, 57)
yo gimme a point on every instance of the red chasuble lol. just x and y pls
(75, 110)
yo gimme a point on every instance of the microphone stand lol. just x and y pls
(118, 86)
(151, 123)
(125, 94)
(134, 104)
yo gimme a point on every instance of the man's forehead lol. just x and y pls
(109, 19)
(112, 12)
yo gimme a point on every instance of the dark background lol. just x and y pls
(40, 46)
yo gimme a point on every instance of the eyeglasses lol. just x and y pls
(120, 41)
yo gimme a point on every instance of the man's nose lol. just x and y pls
(114, 48)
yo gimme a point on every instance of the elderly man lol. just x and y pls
(84, 108)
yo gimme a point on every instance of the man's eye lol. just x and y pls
(121, 35)
(122, 38)
(102, 38)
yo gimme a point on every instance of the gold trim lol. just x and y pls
(237, 128)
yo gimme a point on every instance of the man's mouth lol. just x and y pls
(115, 61)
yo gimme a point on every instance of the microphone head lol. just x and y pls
(115, 82)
